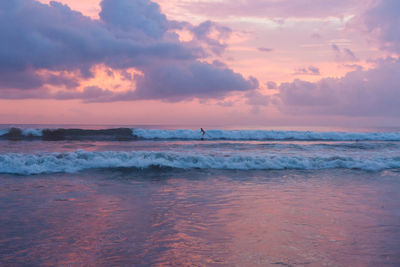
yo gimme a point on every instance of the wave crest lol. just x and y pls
(70, 162)
(264, 135)
(127, 134)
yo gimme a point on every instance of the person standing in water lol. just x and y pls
(202, 133)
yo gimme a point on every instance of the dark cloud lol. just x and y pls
(134, 17)
(350, 54)
(344, 54)
(204, 32)
(54, 37)
(176, 82)
(311, 70)
(29, 80)
(36, 38)
(23, 80)
(335, 48)
(314, 70)
(265, 49)
(373, 92)
(171, 83)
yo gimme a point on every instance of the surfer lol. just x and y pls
(202, 133)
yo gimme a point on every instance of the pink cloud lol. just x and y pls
(275, 9)
(381, 22)
(373, 92)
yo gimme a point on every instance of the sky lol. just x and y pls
(239, 63)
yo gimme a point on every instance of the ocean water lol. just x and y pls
(140, 196)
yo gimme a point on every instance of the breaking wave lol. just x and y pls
(70, 162)
(264, 135)
(127, 134)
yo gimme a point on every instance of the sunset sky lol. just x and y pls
(244, 63)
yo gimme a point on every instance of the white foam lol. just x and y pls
(32, 132)
(263, 135)
(14, 163)
(25, 132)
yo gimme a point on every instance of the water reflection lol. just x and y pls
(201, 218)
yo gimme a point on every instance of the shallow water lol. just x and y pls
(126, 217)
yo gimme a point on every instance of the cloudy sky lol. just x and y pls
(243, 63)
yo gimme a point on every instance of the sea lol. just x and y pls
(100, 195)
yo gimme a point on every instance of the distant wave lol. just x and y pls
(70, 162)
(127, 134)
(264, 135)
(117, 134)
